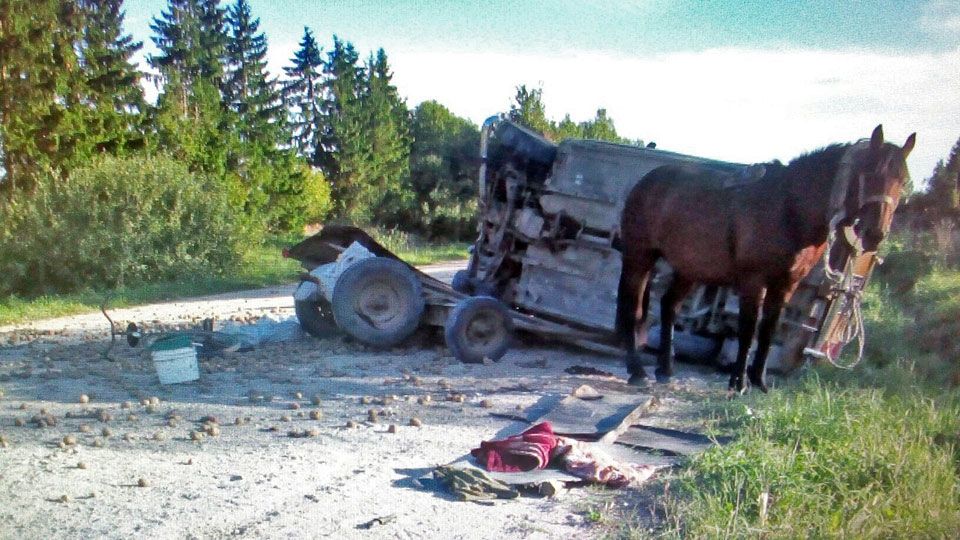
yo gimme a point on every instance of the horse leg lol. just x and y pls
(632, 299)
(746, 326)
(772, 303)
(671, 300)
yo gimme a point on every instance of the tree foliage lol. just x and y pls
(302, 94)
(444, 167)
(528, 109)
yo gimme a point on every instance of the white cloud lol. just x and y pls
(941, 18)
(732, 104)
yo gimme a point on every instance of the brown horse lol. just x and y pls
(760, 237)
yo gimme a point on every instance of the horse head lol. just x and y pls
(877, 177)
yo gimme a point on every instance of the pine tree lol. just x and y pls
(190, 119)
(248, 90)
(388, 137)
(40, 82)
(303, 95)
(344, 155)
(192, 43)
(943, 187)
(113, 92)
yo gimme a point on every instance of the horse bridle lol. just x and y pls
(839, 196)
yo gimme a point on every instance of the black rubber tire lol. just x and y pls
(378, 301)
(461, 282)
(316, 317)
(478, 327)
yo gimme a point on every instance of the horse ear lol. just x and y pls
(908, 146)
(876, 140)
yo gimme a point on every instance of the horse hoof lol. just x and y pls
(758, 381)
(637, 379)
(736, 387)
(663, 376)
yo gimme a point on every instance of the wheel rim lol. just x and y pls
(379, 304)
(485, 331)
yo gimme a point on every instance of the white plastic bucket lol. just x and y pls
(176, 365)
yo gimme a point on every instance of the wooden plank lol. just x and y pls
(671, 441)
(588, 415)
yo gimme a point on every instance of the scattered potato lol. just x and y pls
(81, 465)
(298, 395)
(294, 406)
(213, 430)
(69, 440)
(392, 428)
(84, 428)
(366, 400)
(486, 404)
(316, 399)
(84, 398)
(351, 424)
(286, 418)
(142, 482)
(416, 422)
(106, 432)
(19, 422)
(316, 414)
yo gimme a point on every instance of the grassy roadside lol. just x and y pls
(262, 267)
(868, 453)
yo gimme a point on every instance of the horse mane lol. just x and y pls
(818, 164)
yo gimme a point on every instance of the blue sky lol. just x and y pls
(743, 80)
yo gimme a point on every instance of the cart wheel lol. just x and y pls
(316, 317)
(379, 301)
(461, 282)
(478, 327)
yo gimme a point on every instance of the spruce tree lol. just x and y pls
(40, 84)
(189, 120)
(345, 154)
(113, 92)
(388, 137)
(303, 95)
(248, 91)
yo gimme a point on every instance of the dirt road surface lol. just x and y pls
(133, 470)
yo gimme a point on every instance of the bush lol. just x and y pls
(117, 221)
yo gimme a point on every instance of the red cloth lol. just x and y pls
(527, 451)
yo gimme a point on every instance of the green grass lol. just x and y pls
(823, 460)
(869, 453)
(263, 266)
